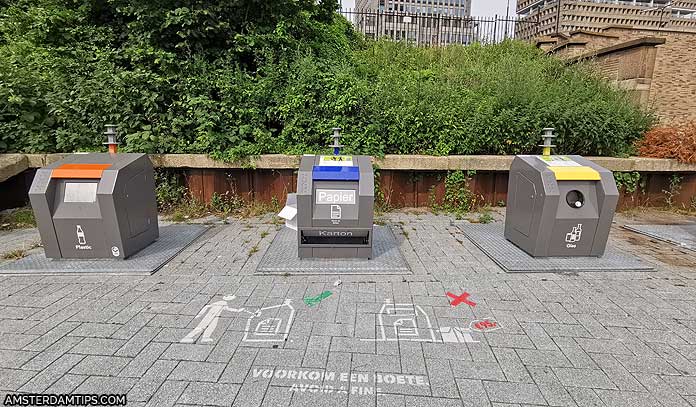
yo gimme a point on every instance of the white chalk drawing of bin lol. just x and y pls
(410, 322)
(399, 322)
(270, 324)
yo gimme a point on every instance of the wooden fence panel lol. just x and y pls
(430, 188)
(273, 184)
(400, 188)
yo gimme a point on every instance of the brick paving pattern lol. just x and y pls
(566, 339)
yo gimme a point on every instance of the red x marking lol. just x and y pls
(460, 299)
(485, 324)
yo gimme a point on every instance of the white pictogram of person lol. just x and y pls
(209, 322)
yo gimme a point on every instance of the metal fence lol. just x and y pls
(437, 29)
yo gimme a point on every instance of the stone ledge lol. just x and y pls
(11, 165)
(389, 162)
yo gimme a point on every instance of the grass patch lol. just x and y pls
(14, 254)
(221, 206)
(22, 218)
(189, 209)
(177, 203)
(254, 209)
(485, 217)
(19, 253)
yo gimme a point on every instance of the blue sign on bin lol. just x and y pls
(326, 173)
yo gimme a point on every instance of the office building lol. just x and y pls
(595, 15)
(436, 22)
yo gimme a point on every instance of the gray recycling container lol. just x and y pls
(335, 206)
(559, 206)
(90, 206)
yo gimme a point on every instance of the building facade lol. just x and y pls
(452, 8)
(647, 47)
(655, 65)
(431, 22)
(595, 15)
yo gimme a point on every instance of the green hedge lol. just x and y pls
(250, 77)
(493, 99)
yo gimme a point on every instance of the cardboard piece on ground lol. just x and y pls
(289, 212)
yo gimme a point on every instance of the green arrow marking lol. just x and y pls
(312, 301)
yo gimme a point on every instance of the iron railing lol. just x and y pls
(437, 29)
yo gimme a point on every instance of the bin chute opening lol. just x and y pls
(575, 199)
(335, 239)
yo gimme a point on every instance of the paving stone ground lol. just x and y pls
(567, 339)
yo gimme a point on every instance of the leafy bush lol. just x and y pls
(629, 182)
(176, 76)
(489, 100)
(234, 79)
(674, 189)
(486, 217)
(169, 189)
(226, 203)
(678, 142)
(458, 199)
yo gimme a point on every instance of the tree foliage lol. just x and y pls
(234, 78)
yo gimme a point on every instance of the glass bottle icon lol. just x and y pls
(81, 235)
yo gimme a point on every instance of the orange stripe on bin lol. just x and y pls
(80, 171)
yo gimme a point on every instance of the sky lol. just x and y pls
(479, 8)
(485, 8)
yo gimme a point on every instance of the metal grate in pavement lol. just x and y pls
(172, 240)
(681, 235)
(491, 240)
(281, 257)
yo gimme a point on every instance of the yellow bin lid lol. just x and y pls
(581, 173)
(566, 169)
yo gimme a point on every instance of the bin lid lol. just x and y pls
(567, 169)
(79, 171)
(581, 173)
(327, 173)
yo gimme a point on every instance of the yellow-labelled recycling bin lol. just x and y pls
(559, 205)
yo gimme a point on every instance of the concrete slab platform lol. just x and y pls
(683, 236)
(491, 240)
(281, 257)
(172, 240)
